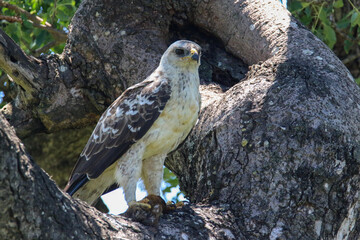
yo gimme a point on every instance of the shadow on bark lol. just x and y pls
(274, 154)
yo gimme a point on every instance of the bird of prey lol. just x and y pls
(137, 131)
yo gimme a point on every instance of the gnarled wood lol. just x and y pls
(274, 155)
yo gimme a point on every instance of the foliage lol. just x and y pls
(27, 34)
(171, 185)
(327, 20)
(38, 26)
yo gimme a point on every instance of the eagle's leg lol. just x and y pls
(152, 173)
(149, 209)
(128, 171)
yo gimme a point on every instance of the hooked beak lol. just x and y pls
(194, 54)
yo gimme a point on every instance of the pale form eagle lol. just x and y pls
(137, 131)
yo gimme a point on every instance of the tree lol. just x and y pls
(274, 154)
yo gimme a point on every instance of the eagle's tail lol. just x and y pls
(73, 187)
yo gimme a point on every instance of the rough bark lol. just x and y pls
(34, 208)
(274, 156)
(282, 146)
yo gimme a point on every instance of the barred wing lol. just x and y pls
(126, 120)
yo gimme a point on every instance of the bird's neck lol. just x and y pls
(182, 78)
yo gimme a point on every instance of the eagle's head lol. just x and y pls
(182, 54)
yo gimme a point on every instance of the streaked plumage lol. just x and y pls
(134, 135)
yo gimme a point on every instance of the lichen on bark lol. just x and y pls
(274, 155)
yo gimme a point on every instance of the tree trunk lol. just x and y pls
(274, 155)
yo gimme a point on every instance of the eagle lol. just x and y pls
(146, 122)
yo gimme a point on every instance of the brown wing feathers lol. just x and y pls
(120, 126)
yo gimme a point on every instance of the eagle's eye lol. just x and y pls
(179, 51)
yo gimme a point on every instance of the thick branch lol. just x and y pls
(24, 70)
(34, 208)
(278, 152)
(281, 146)
(37, 107)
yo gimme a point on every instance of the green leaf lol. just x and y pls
(343, 23)
(166, 190)
(306, 20)
(27, 24)
(319, 34)
(35, 5)
(355, 19)
(338, 4)
(347, 46)
(171, 183)
(305, 4)
(58, 48)
(329, 36)
(357, 80)
(295, 6)
(13, 31)
(40, 39)
(323, 16)
(308, 11)
(65, 11)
